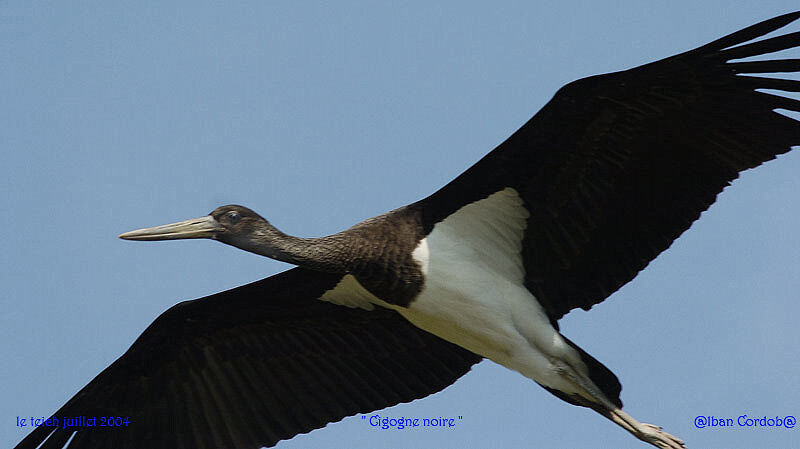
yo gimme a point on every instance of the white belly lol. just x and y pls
(474, 294)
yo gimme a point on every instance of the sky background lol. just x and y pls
(116, 117)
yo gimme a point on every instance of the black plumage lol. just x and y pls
(597, 158)
(612, 171)
(256, 364)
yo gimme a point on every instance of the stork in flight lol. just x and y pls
(559, 216)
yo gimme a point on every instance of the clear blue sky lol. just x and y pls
(115, 117)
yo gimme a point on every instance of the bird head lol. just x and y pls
(225, 223)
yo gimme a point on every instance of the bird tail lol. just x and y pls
(600, 375)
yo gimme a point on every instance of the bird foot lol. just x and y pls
(653, 434)
(648, 433)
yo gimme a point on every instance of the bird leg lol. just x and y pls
(648, 433)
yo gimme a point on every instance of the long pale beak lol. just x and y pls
(196, 228)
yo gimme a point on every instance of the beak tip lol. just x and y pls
(130, 235)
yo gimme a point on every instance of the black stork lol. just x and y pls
(559, 216)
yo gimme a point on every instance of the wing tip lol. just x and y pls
(748, 33)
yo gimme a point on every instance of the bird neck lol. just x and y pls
(323, 253)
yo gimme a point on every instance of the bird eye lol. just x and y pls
(234, 216)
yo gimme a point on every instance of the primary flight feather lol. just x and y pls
(559, 216)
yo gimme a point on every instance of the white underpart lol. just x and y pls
(349, 293)
(474, 294)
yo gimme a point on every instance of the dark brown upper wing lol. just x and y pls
(615, 167)
(253, 365)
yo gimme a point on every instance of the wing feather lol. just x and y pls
(615, 167)
(254, 365)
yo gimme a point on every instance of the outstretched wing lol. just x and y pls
(250, 366)
(615, 167)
